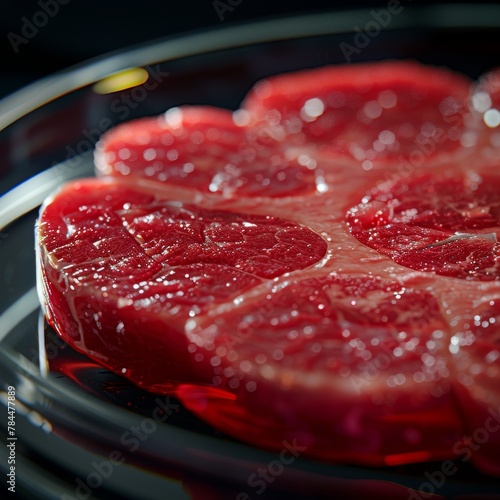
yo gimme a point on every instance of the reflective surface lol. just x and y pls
(82, 430)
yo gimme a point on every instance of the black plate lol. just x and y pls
(75, 422)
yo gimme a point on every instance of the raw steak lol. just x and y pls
(295, 271)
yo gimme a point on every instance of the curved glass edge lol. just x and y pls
(31, 193)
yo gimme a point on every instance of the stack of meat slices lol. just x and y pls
(319, 267)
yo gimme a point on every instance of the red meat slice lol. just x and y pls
(486, 106)
(352, 368)
(447, 224)
(123, 268)
(373, 113)
(177, 274)
(476, 348)
(202, 148)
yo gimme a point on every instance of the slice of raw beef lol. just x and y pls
(318, 268)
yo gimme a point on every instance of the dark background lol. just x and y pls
(76, 30)
(82, 29)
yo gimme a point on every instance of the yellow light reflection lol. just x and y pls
(121, 80)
